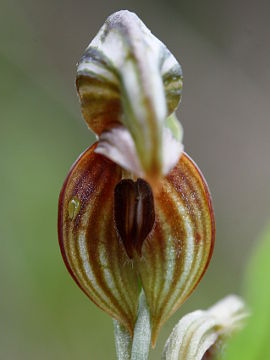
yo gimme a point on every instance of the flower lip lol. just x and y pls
(134, 213)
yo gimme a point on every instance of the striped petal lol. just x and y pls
(178, 250)
(90, 246)
(202, 333)
(128, 77)
(170, 261)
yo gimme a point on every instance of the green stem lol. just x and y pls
(139, 348)
(123, 341)
(142, 332)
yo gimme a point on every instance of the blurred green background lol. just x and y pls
(224, 51)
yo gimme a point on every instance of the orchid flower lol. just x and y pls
(135, 212)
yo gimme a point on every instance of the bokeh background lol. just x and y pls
(223, 47)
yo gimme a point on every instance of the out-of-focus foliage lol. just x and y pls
(253, 342)
(43, 314)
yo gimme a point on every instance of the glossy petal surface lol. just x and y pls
(179, 248)
(90, 246)
(174, 255)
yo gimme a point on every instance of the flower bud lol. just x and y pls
(201, 334)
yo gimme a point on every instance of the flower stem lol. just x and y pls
(139, 348)
(123, 341)
(142, 332)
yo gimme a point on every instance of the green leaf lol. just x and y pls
(253, 342)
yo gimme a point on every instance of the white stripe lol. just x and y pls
(98, 70)
(89, 271)
(172, 257)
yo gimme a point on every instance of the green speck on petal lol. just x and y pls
(73, 207)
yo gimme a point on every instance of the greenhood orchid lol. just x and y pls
(135, 211)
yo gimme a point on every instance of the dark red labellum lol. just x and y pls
(134, 213)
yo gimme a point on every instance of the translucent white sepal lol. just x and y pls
(117, 145)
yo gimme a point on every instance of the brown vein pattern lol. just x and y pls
(175, 254)
(100, 102)
(91, 249)
(178, 250)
